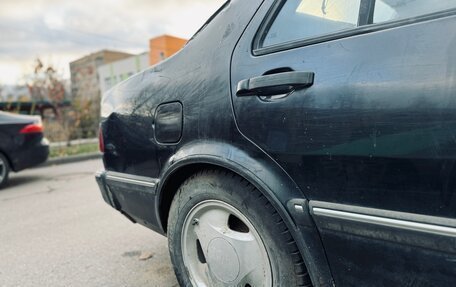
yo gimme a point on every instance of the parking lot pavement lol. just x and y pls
(56, 230)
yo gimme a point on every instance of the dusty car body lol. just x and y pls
(22, 144)
(352, 142)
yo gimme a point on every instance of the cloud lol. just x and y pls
(59, 29)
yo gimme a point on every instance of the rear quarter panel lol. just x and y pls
(198, 77)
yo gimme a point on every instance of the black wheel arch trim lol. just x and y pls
(8, 159)
(266, 176)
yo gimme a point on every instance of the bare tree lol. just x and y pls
(45, 84)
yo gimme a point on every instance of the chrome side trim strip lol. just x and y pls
(384, 221)
(147, 183)
(404, 216)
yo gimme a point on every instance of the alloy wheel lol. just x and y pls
(221, 247)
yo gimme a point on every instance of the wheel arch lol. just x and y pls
(10, 162)
(263, 173)
(266, 177)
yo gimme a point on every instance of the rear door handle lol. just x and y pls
(275, 84)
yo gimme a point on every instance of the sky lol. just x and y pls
(60, 31)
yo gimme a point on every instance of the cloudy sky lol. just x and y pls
(60, 31)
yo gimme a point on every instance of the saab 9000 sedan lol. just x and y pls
(296, 143)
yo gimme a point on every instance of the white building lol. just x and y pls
(115, 72)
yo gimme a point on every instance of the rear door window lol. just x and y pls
(296, 20)
(301, 19)
(391, 10)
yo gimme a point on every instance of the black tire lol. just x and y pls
(287, 265)
(4, 170)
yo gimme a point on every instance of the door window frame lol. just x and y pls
(365, 25)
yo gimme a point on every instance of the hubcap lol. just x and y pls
(221, 247)
(223, 260)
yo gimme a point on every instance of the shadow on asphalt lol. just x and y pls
(20, 180)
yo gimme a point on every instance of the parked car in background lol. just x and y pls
(296, 143)
(22, 144)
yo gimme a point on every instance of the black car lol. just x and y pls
(22, 144)
(296, 143)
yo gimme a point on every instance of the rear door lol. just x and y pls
(356, 100)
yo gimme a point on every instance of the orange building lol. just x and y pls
(163, 47)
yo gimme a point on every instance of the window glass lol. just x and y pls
(389, 10)
(300, 19)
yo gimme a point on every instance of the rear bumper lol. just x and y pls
(100, 177)
(31, 156)
(133, 196)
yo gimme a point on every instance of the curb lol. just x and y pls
(71, 159)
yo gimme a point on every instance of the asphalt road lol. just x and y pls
(56, 230)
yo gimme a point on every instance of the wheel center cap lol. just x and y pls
(223, 260)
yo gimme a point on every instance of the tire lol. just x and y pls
(4, 170)
(217, 217)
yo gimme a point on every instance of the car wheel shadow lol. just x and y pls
(14, 181)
